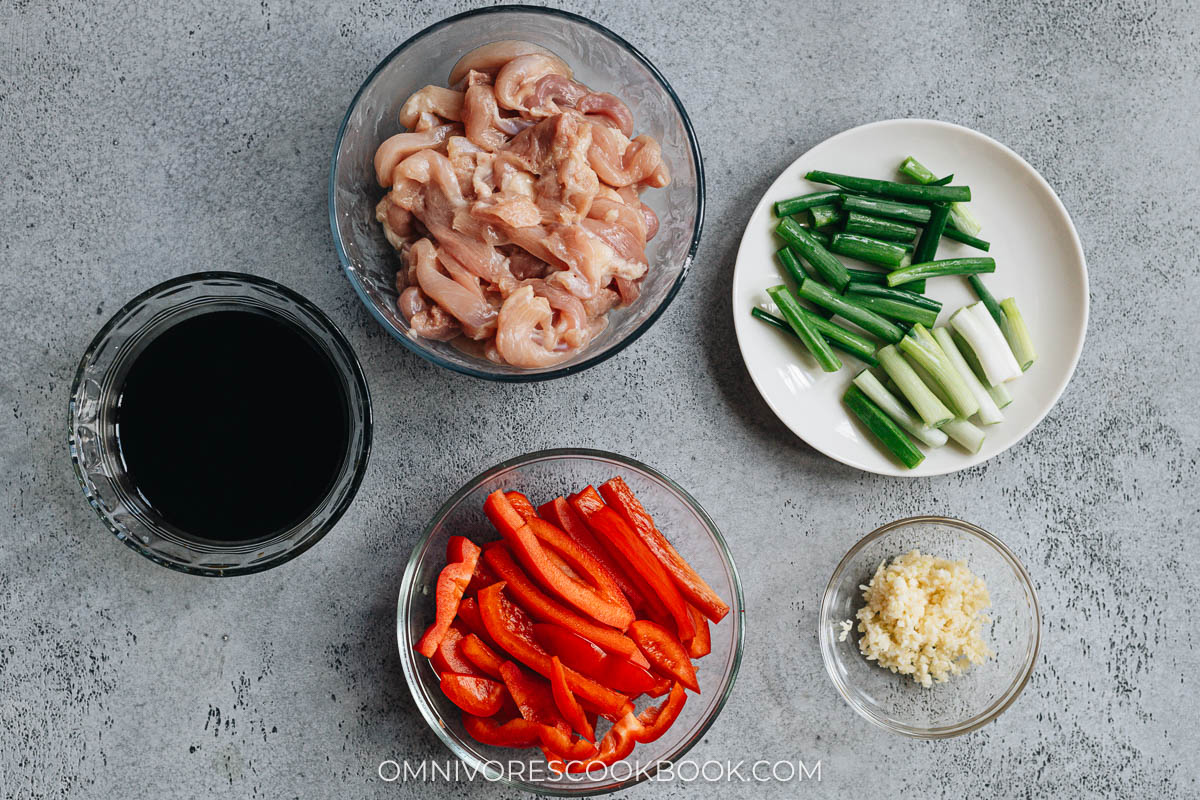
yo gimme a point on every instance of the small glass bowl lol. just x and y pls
(543, 476)
(967, 701)
(599, 58)
(95, 451)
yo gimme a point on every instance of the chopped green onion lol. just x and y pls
(966, 434)
(954, 233)
(902, 294)
(827, 266)
(814, 342)
(999, 393)
(880, 279)
(892, 189)
(873, 251)
(963, 218)
(982, 335)
(878, 423)
(794, 205)
(936, 269)
(878, 228)
(927, 245)
(826, 215)
(1017, 334)
(986, 298)
(847, 341)
(898, 310)
(924, 350)
(892, 406)
(989, 412)
(869, 321)
(931, 410)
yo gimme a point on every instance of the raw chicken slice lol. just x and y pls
(402, 145)
(489, 58)
(446, 103)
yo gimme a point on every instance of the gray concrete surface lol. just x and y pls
(138, 143)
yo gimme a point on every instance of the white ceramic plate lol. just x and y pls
(1039, 261)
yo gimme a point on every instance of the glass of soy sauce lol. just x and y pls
(220, 424)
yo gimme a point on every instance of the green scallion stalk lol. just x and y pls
(825, 216)
(931, 410)
(923, 349)
(880, 279)
(795, 268)
(892, 189)
(869, 321)
(989, 412)
(936, 269)
(873, 251)
(954, 233)
(969, 436)
(983, 337)
(847, 341)
(903, 294)
(881, 425)
(989, 302)
(892, 406)
(814, 342)
(827, 266)
(1017, 334)
(927, 245)
(879, 228)
(999, 393)
(898, 310)
(964, 220)
(794, 205)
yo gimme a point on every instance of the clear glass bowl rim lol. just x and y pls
(410, 572)
(479, 372)
(356, 375)
(827, 644)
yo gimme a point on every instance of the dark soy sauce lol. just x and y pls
(233, 425)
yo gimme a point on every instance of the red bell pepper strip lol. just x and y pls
(661, 687)
(585, 657)
(559, 512)
(616, 745)
(518, 732)
(656, 719)
(451, 583)
(468, 615)
(578, 559)
(560, 744)
(448, 657)
(482, 697)
(608, 525)
(522, 505)
(533, 697)
(545, 608)
(482, 657)
(701, 643)
(482, 577)
(619, 742)
(620, 497)
(513, 631)
(528, 549)
(664, 652)
(568, 706)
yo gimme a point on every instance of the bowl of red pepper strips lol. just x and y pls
(570, 621)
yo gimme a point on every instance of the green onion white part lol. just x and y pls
(983, 336)
(989, 412)
(920, 346)
(966, 434)
(931, 410)
(1016, 334)
(999, 394)
(892, 406)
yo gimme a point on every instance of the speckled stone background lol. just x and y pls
(138, 143)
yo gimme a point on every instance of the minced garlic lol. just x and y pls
(923, 617)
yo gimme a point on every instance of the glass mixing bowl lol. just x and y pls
(544, 476)
(599, 58)
(965, 702)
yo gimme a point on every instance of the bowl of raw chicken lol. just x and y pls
(516, 193)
